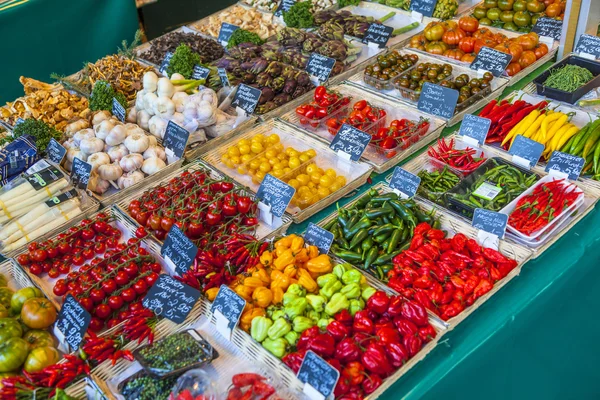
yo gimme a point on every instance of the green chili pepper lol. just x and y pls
(371, 256)
(359, 237)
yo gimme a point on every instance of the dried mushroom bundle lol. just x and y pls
(262, 24)
(208, 50)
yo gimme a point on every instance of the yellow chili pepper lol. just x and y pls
(320, 264)
(262, 297)
(211, 293)
(521, 126)
(266, 258)
(306, 281)
(557, 137)
(545, 132)
(534, 128)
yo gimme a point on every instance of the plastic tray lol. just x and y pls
(460, 144)
(431, 196)
(314, 124)
(569, 97)
(380, 84)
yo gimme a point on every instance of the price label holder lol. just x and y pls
(377, 35)
(549, 28)
(18, 122)
(226, 32)
(284, 5)
(318, 376)
(275, 196)
(424, 7)
(490, 226)
(170, 298)
(526, 152)
(565, 165)
(80, 173)
(61, 198)
(349, 143)
(200, 72)
(223, 76)
(118, 110)
(438, 100)
(319, 68)
(246, 98)
(588, 46)
(178, 250)
(317, 236)
(56, 151)
(416, 16)
(474, 129)
(227, 308)
(404, 183)
(491, 60)
(72, 322)
(175, 141)
(165, 63)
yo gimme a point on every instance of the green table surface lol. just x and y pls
(43, 36)
(534, 339)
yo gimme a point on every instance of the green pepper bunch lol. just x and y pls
(436, 183)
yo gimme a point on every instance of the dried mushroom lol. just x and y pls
(249, 19)
(208, 49)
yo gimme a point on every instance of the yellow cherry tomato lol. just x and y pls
(303, 179)
(277, 174)
(294, 162)
(273, 138)
(245, 158)
(258, 138)
(256, 147)
(294, 183)
(311, 153)
(331, 173)
(243, 142)
(341, 180)
(334, 188)
(270, 153)
(242, 170)
(254, 164)
(225, 158)
(244, 149)
(236, 160)
(265, 167)
(326, 181)
(310, 168)
(323, 192)
(304, 158)
(233, 151)
(260, 175)
(315, 177)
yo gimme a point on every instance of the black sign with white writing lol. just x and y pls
(284, 5)
(490, 221)
(317, 373)
(80, 173)
(230, 304)
(425, 7)
(527, 149)
(548, 27)
(405, 182)
(317, 236)
(475, 127)
(61, 198)
(180, 250)
(438, 100)
(226, 32)
(588, 44)
(319, 66)
(379, 34)
(200, 72)
(171, 299)
(491, 60)
(56, 151)
(165, 63)
(246, 98)
(176, 139)
(565, 163)
(118, 110)
(350, 140)
(223, 75)
(18, 121)
(276, 194)
(73, 321)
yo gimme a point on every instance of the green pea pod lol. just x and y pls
(394, 240)
(367, 292)
(259, 328)
(371, 256)
(337, 303)
(300, 324)
(359, 237)
(295, 308)
(279, 328)
(351, 276)
(277, 347)
(352, 291)
(331, 288)
(316, 302)
(292, 338)
(325, 279)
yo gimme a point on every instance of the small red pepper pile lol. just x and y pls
(325, 103)
(401, 133)
(536, 210)
(461, 160)
(446, 275)
(369, 346)
(248, 386)
(363, 116)
(100, 348)
(505, 116)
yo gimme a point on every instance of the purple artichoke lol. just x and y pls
(291, 36)
(281, 99)
(334, 49)
(290, 86)
(331, 30)
(267, 95)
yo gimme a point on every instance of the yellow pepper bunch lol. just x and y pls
(290, 261)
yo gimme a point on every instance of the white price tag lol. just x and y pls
(222, 325)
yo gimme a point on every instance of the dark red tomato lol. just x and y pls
(154, 221)
(100, 248)
(359, 105)
(112, 323)
(111, 243)
(24, 259)
(229, 209)
(111, 267)
(78, 259)
(102, 311)
(226, 187)
(53, 273)
(64, 268)
(46, 265)
(39, 255)
(122, 278)
(141, 232)
(213, 218)
(156, 267)
(60, 288)
(388, 143)
(131, 269)
(97, 295)
(115, 302)
(128, 295)
(160, 234)
(32, 246)
(87, 234)
(195, 230)
(151, 279)
(86, 303)
(88, 254)
(100, 226)
(142, 217)
(100, 238)
(64, 248)
(243, 204)
(109, 286)
(96, 324)
(249, 221)
(36, 269)
(140, 286)
(135, 306)
(166, 223)
(52, 252)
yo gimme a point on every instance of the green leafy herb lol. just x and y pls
(243, 36)
(41, 131)
(346, 3)
(300, 15)
(128, 50)
(102, 97)
(183, 61)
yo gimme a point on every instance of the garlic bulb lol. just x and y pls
(69, 143)
(103, 129)
(164, 107)
(134, 129)
(131, 162)
(110, 172)
(157, 126)
(180, 100)
(190, 111)
(178, 118)
(76, 126)
(132, 115)
(153, 165)
(130, 179)
(152, 140)
(83, 134)
(150, 103)
(137, 143)
(91, 146)
(139, 99)
(155, 151)
(98, 159)
(73, 153)
(116, 135)
(149, 81)
(100, 116)
(97, 185)
(176, 77)
(117, 152)
(142, 119)
(165, 88)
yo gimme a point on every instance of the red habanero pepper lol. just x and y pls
(395, 306)
(427, 333)
(362, 322)
(458, 242)
(387, 335)
(374, 359)
(416, 242)
(306, 336)
(384, 322)
(371, 384)
(323, 344)
(294, 360)
(484, 286)
(470, 284)
(338, 330)
(405, 327)
(422, 229)
(344, 317)
(347, 350)
(452, 310)
(378, 302)
(414, 312)
(397, 354)
(355, 372)
(473, 246)
(413, 344)
(494, 255)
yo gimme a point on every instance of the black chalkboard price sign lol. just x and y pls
(588, 44)
(351, 141)
(226, 32)
(231, 306)
(319, 66)
(526, 149)
(223, 76)
(246, 97)
(438, 100)
(80, 173)
(548, 27)
(567, 164)
(475, 127)
(171, 299)
(165, 63)
(425, 7)
(118, 110)
(317, 236)
(200, 72)
(179, 249)
(276, 194)
(176, 138)
(491, 60)
(405, 182)
(318, 376)
(490, 221)
(378, 34)
(56, 151)
(73, 321)
(284, 5)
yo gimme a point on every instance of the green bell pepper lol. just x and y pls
(292, 337)
(316, 302)
(337, 303)
(296, 308)
(331, 288)
(367, 292)
(300, 324)
(355, 306)
(339, 270)
(296, 289)
(259, 328)
(351, 276)
(314, 316)
(279, 313)
(323, 322)
(279, 328)
(325, 279)
(289, 297)
(277, 347)
(352, 291)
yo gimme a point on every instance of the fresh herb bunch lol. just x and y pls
(41, 131)
(346, 3)
(243, 36)
(300, 15)
(183, 61)
(102, 97)
(174, 352)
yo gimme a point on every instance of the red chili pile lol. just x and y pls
(536, 210)
(446, 275)
(369, 346)
(401, 133)
(248, 386)
(505, 116)
(459, 159)
(363, 116)
(325, 103)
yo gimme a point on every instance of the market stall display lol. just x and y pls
(263, 24)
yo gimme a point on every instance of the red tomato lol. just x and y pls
(128, 295)
(86, 303)
(140, 286)
(109, 286)
(97, 295)
(102, 311)
(115, 302)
